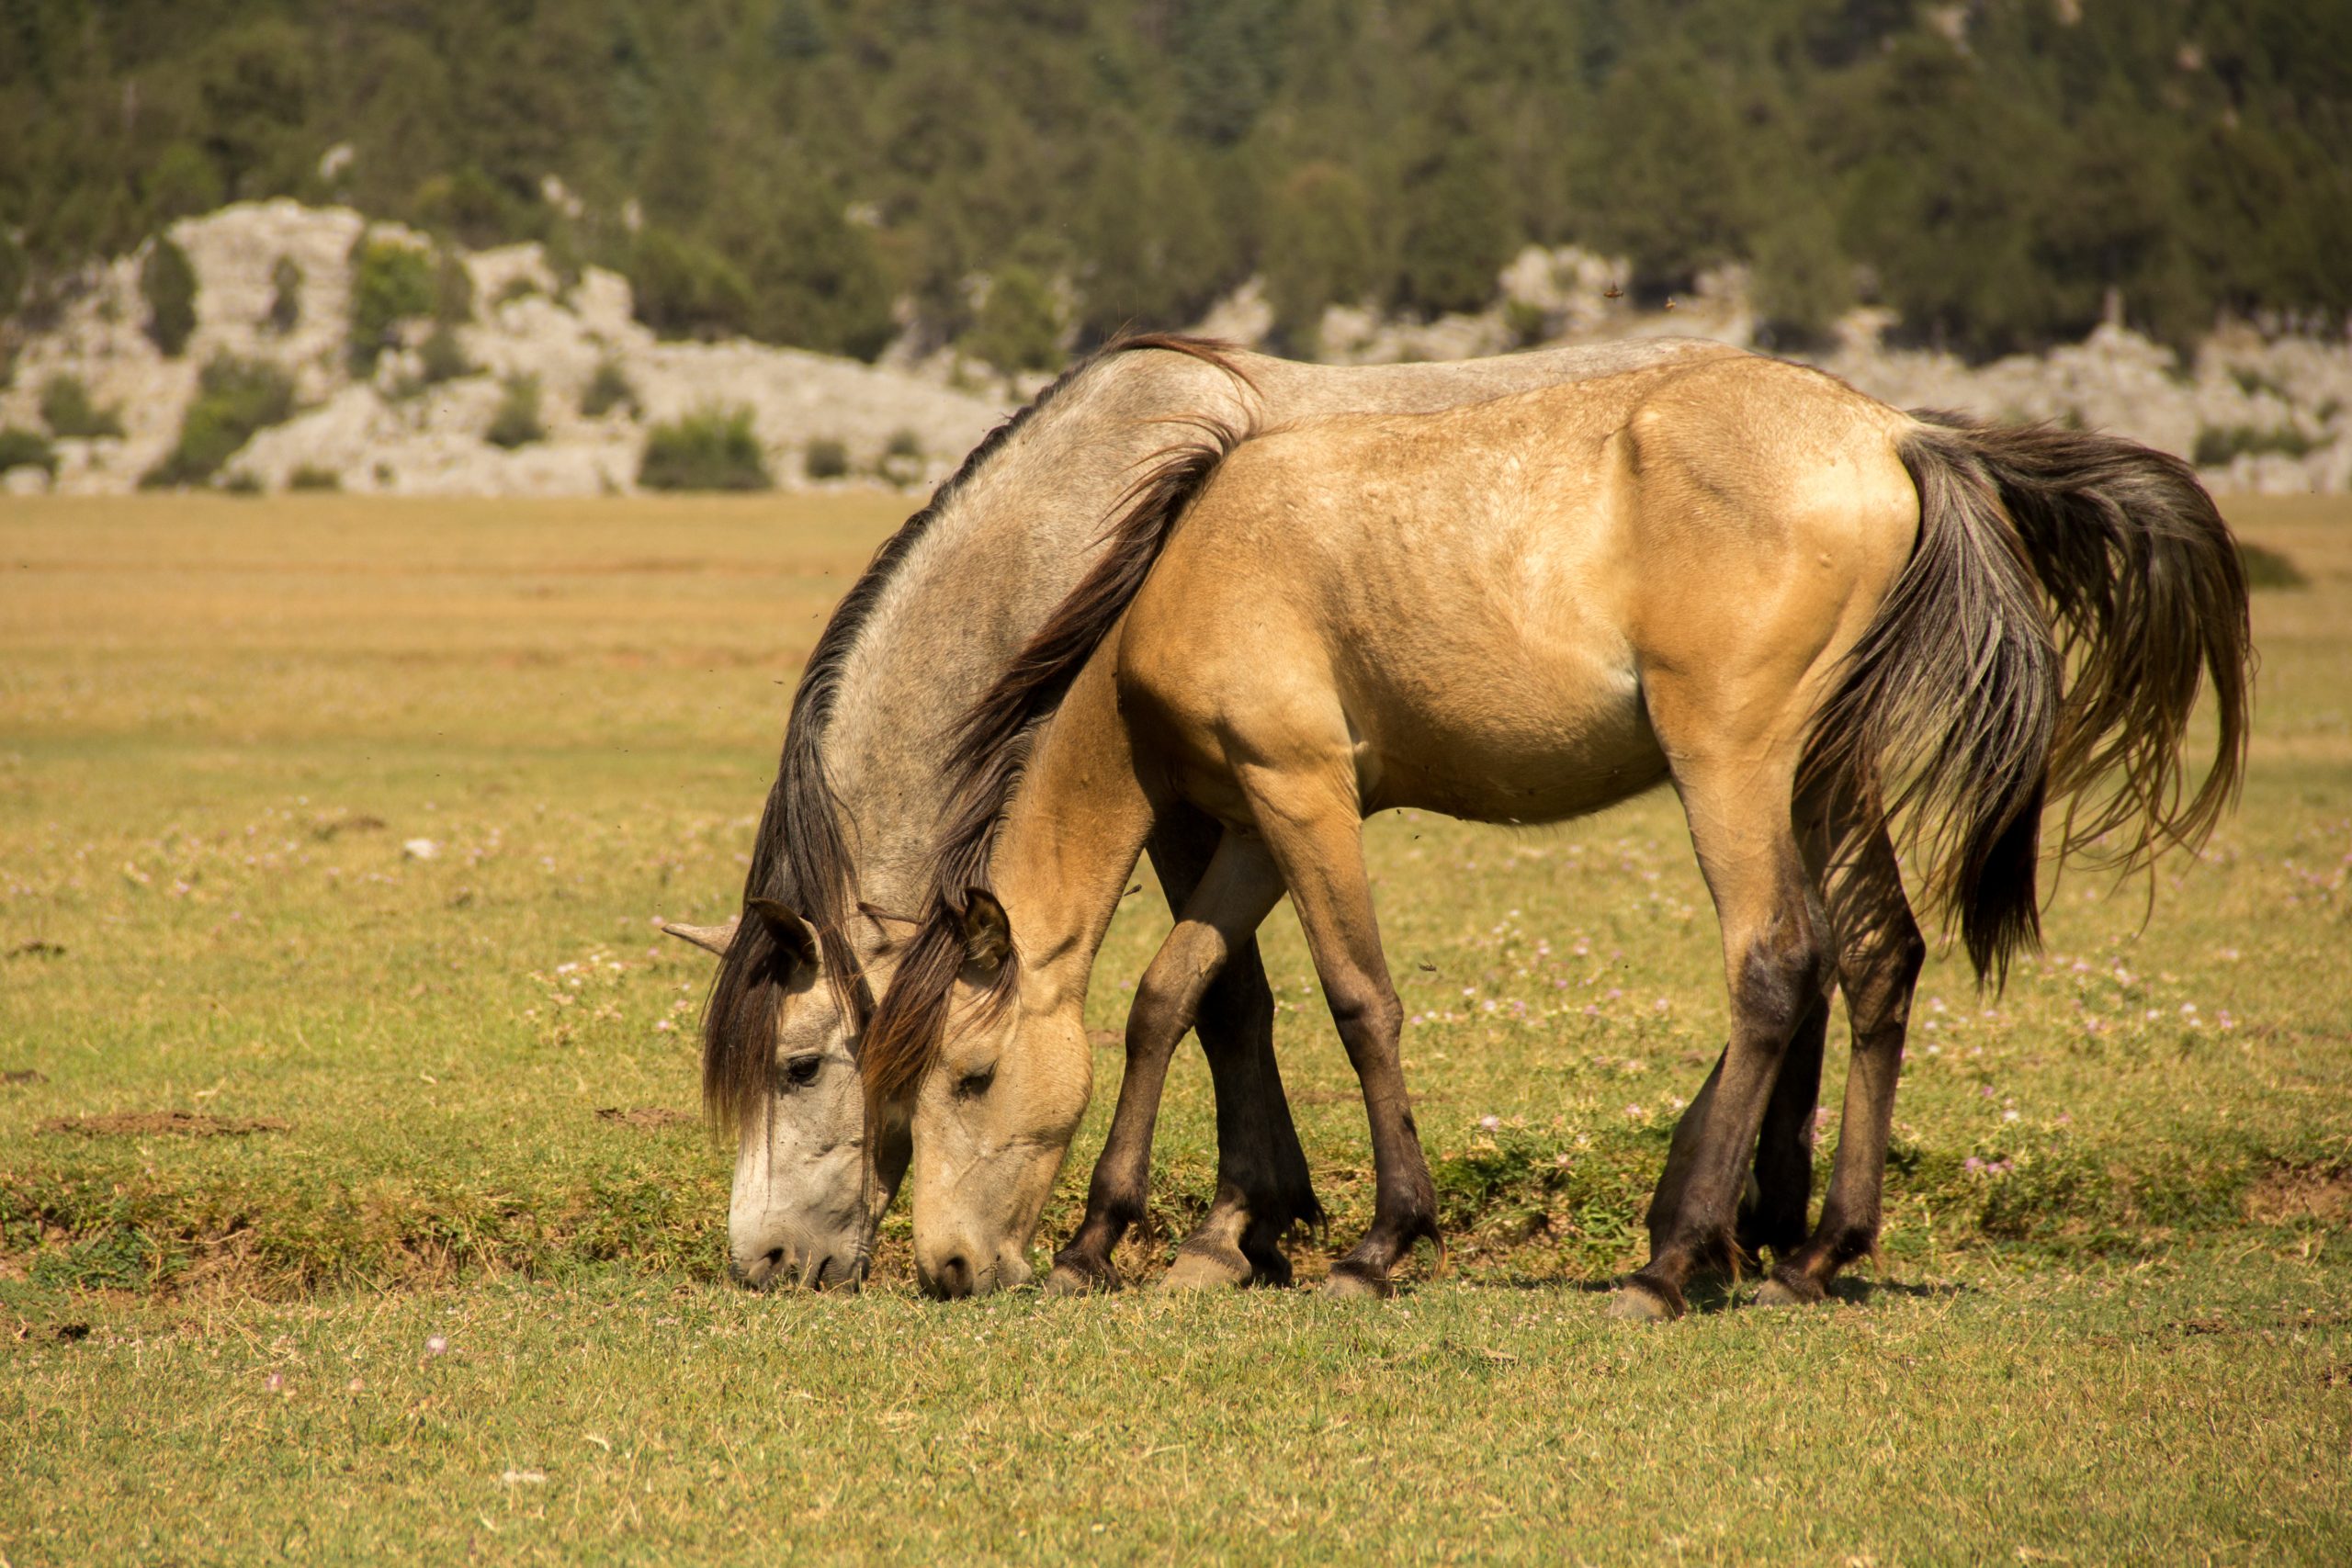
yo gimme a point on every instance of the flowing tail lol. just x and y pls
(2069, 596)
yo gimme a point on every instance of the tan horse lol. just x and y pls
(949, 600)
(1804, 609)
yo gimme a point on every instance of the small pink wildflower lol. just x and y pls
(1490, 1123)
(435, 1345)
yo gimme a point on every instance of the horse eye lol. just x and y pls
(801, 1071)
(972, 1086)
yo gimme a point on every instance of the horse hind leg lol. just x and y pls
(1217, 910)
(1779, 1195)
(1879, 953)
(1776, 966)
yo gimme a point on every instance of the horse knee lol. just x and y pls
(1156, 1019)
(1365, 1013)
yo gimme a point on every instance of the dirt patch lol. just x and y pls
(2300, 1197)
(165, 1124)
(23, 1076)
(644, 1118)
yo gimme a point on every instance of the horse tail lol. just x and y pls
(2041, 551)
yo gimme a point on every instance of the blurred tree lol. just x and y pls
(1318, 250)
(168, 284)
(183, 183)
(1019, 325)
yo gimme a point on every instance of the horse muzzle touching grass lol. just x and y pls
(813, 1172)
(1004, 1110)
(1825, 622)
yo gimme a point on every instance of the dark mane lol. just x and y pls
(800, 856)
(990, 749)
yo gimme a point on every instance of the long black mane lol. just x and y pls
(990, 750)
(800, 856)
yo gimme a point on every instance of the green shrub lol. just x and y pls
(516, 422)
(1020, 324)
(235, 397)
(286, 295)
(901, 460)
(168, 284)
(711, 448)
(441, 358)
(15, 271)
(21, 448)
(241, 481)
(685, 289)
(453, 291)
(66, 409)
(826, 459)
(391, 282)
(311, 477)
(608, 389)
(2217, 445)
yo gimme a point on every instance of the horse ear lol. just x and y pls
(710, 939)
(988, 933)
(792, 935)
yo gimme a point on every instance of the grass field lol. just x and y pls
(352, 1199)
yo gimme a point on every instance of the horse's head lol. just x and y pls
(993, 1063)
(811, 1178)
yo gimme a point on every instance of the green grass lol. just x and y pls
(2118, 1334)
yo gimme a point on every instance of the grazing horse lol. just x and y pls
(1815, 617)
(947, 603)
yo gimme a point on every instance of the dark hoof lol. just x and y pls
(1081, 1277)
(1644, 1301)
(1269, 1269)
(1788, 1289)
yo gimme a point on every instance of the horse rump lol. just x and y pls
(2068, 596)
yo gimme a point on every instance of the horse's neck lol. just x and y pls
(1008, 545)
(1077, 825)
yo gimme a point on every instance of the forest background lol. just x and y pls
(1019, 178)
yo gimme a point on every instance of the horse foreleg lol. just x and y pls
(1312, 831)
(1217, 918)
(1879, 954)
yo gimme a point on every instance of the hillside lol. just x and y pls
(1021, 177)
(322, 352)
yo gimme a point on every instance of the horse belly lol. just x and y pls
(1530, 744)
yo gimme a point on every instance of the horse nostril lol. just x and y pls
(952, 1281)
(760, 1272)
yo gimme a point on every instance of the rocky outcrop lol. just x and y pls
(2258, 414)
(394, 432)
